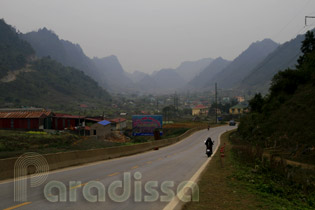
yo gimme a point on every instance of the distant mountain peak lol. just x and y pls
(46, 32)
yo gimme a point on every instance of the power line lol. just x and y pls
(306, 17)
(291, 20)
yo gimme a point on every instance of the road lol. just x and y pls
(154, 175)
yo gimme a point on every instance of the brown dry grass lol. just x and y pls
(218, 190)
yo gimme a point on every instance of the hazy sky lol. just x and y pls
(148, 35)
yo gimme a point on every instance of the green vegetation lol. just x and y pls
(273, 188)
(14, 143)
(13, 51)
(284, 119)
(239, 182)
(169, 131)
(53, 85)
(42, 82)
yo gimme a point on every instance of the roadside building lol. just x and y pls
(238, 109)
(92, 120)
(25, 119)
(118, 123)
(200, 110)
(100, 129)
(218, 111)
(240, 99)
(62, 121)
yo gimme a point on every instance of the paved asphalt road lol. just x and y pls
(175, 164)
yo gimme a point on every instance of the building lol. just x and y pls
(25, 119)
(240, 99)
(118, 123)
(100, 129)
(200, 110)
(62, 121)
(238, 109)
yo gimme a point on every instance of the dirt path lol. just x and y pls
(11, 76)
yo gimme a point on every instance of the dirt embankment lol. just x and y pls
(11, 76)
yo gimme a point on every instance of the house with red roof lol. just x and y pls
(118, 123)
(62, 121)
(25, 119)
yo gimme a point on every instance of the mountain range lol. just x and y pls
(243, 64)
(201, 80)
(43, 82)
(251, 70)
(283, 57)
(107, 71)
(189, 69)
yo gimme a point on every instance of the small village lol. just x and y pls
(101, 127)
(39, 119)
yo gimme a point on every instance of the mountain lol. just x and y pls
(47, 43)
(209, 72)
(241, 66)
(168, 79)
(161, 82)
(14, 52)
(284, 119)
(148, 85)
(113, 73)
(42, 82)
(189, 69)
(137, 76)
(283, 57)
(107, 71)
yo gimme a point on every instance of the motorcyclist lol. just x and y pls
(209, 144)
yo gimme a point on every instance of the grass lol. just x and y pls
(186, 125)
(242, 183)
(14, 143)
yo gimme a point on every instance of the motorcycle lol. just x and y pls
(208, 152)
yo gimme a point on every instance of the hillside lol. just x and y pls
(136, 76)
(189, 69)
(112, 73)
(46, 43)
(148, 85)
(285, 56)
(284, 119)
(241, 66)
(44, 82)
(14, 52)
(217, 65)
(168, 79)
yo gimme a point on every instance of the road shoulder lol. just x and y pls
(217, 189)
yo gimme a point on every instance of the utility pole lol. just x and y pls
(175, 105)
(175, 100)
(216, 104)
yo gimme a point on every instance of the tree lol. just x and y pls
(256, 103)
(308, 46)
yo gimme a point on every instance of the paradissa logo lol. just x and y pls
(95, 191)
(125, 187)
